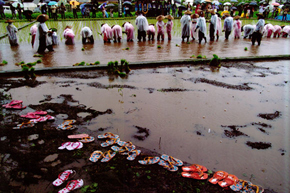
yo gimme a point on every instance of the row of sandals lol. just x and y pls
(170, 163)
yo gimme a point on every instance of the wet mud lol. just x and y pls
(270, 116)
(22, 157)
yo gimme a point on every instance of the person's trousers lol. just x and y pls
(227, 34)
(211, 32)
(256, 36)
(141, 34)
(201, 36)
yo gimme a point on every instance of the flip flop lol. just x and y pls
(30, 116)
(64, 145)
(110, 142)
(74, 145)
(72, 185)
(63, 177)
(13, 102)
(194, 168)
(39, 120)
(195, 175)
(172, 160)
(133, 154)
(49, 117)
(16, 106)
(77, 136)
(122, 150)
(95, 156)
(108, 135)
(24, 125)
(218, 176)
(228, 181)
(168, 165)
(238, 186)
(87, 139)
(129, 145)
(66, 127)
(108, 156)
(149, 160)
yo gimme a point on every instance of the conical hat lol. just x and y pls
(9, 21)
(169, 17)
(42, 18)
(160, 17)
(187, 12)
(194, 16)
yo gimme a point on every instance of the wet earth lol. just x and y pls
(232, 119)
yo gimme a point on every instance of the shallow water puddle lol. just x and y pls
(199, 116)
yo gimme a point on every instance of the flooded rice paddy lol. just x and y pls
(65, 55)
(235, 119)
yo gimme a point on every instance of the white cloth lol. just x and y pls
(185, 25)
(142, 23)
(286, 29)
(228, 24)
(219, 26)
(193, 27)
(107, 31)
(248, 30)
(268, 29)
(201, 25)
(33, 29)
(117, 32)
(213, 20)
(54, 38)
(86, 32)
(45, 30)
(12, 30)
(260, 26)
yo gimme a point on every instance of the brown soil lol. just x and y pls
(270, 116)
(259, 145)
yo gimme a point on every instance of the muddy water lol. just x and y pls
(138, 51)
(189, 112)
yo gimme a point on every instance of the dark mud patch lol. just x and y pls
(259, 145)
(221, 84)
(151, 90)
(234, 131)
(270, 116)
(92, 74)
(46, 98)
(172, 90)
(8, 84)
(262, 124)
(142, 133)
(243, 65)
(99, 85)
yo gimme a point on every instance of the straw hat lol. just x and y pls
(212, 11)
(9, 21)
(42, 18)
(237, 17)
(226, 14)
(187, 12)
(160, 17)
(68, 26)
(169, 17)
(194, 16)
(200, 12)
(260, 15)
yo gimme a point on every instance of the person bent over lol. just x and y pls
(117, 33)
(87, 35)
(151, 32)
(129, 30)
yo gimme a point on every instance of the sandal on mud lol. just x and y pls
(172, 160)
(74, 145)
(67, 174)
(195, 175)
(66, 125)
(129, 145)
(108, 156)
(72, 185)
(228, 181)
(218, 176)
(43, 119)
(95, 156)
(133, 154)
(13, 102)
(64, 145)
(122, 150)
(238, 186)
(17, 107)
(194, 168)
(108, 135)
(149, 160)
(24, 125)
(168, 165)
(88, 139)
(110, 142)
(77, 136)
(30, 116)
(40, 112)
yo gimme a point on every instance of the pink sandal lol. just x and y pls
(63, 177)
(72, 185)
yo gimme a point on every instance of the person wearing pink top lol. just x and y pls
(169, 26)
(237, 27)
(69, 35)
(151, 32)
(117, 33)
(160, 27)
(193, 33)
(129, 30)
(106, 31)
(33, 31)
(277, 31)
(285, 31)
(268, 30)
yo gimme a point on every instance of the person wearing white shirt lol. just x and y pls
(142, 25)
(257, 35)
(201, 27)
(87, 35)
(228, 25)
